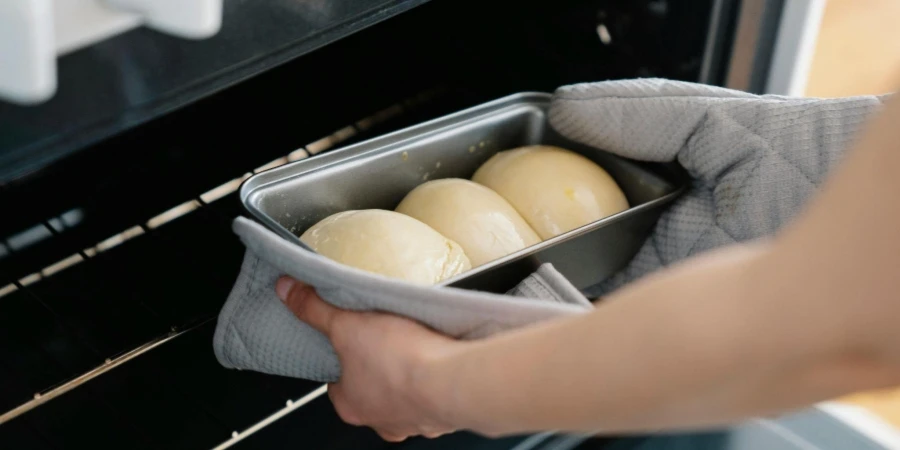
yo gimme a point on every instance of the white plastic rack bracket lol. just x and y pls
(34, 32)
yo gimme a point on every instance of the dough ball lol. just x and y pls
(387, 243)
(555, 190)
(477, 218)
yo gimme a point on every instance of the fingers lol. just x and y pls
(338, 325)
(303, 301)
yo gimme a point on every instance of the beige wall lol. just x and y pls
(858, 50)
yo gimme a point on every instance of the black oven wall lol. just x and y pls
(459, 52)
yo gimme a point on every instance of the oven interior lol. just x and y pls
(115, 259)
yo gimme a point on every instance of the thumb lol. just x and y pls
(643, 119)
(303, 301)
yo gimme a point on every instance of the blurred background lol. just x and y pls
(858, 53)
(858, 49)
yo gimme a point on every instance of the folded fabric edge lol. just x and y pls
(337, 276)
(224, 322)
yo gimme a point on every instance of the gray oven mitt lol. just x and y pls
(257, 332)
(754, 160)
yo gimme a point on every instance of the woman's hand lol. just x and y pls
(385, 361)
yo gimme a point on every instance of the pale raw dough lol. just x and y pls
(555, 190)
(477, 218)
(387, 243)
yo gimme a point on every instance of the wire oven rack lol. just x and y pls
(98, 350)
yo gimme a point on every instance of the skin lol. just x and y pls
(748, 330)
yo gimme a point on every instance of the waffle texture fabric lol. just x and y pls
(754, 160)
(256, 331)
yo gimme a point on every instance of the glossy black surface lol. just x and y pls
(505, 47)
(129, 79)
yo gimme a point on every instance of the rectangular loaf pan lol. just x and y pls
(379, 172)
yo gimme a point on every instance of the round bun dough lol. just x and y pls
(555, 190)
(387, 243)
(480, 220)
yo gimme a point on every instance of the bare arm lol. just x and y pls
(743, 331)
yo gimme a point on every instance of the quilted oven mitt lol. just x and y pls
(754, 160)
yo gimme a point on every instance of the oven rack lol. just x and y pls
(111, 346)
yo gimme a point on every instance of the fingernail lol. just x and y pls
(283, 287)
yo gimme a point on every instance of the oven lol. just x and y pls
(119, 176)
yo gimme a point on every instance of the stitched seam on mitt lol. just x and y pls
(797, 168)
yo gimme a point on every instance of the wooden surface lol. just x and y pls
(858, 53)
(885, 404)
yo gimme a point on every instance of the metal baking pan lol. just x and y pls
(379, 172)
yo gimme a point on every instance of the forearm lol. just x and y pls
(657, 355)
(737, 333)
(688, 348)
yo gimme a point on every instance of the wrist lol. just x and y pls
(436, 386)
